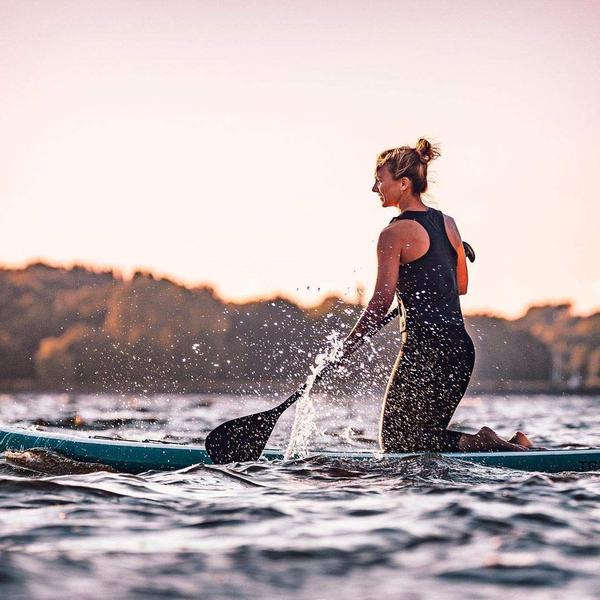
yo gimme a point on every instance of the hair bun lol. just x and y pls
(426, 150)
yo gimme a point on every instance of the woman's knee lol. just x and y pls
(392, 436)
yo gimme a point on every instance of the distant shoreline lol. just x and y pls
(237, 388)
(81, 330)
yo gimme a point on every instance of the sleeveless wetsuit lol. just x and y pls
(435, 362)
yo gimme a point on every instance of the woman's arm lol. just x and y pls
(462, 274)
(389, 249)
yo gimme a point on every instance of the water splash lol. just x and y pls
(304, 427)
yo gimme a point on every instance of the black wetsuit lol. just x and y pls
(435, 363)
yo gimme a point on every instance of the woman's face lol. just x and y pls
(390, 190)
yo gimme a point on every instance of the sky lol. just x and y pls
(233, 143)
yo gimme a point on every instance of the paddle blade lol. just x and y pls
(241, 439)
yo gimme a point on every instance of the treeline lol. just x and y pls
(84, 329)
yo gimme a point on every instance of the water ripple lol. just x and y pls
(423, 527)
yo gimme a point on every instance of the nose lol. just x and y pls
(375, 188)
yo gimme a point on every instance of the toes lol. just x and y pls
(487, 431)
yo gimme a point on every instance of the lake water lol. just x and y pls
(420, 528)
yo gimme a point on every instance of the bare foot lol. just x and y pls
(486, 440)
(521, 439)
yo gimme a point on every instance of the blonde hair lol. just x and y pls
(410, 162)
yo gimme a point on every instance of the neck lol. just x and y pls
(412, 203)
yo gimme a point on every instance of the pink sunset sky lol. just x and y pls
(234, 142)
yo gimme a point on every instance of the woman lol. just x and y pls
(421, 259)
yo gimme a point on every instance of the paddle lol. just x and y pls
(244, 439)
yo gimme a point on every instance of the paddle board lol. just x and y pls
(137, 457)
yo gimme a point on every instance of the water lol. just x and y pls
(420, 528)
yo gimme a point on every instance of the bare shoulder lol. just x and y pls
(450, 224)
(399, 228)
(397, 232)
(452, 230)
